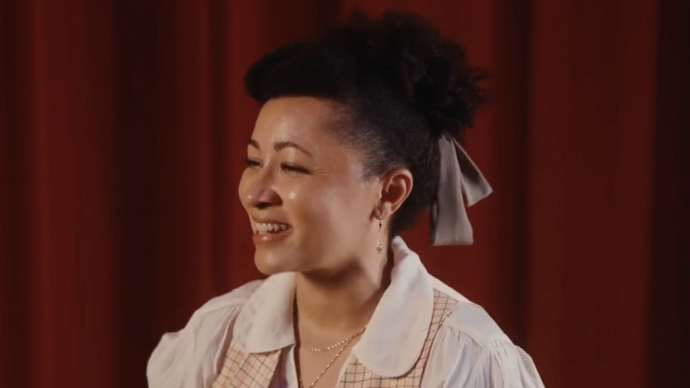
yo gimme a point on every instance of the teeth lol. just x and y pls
(263, 228)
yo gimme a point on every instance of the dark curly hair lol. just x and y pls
(399, 86)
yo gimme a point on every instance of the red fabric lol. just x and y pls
(123, 125)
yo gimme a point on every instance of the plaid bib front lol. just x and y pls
(256, 370)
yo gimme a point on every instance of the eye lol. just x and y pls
(294, 168)
(252, 162)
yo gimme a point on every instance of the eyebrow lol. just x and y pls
(281, 145)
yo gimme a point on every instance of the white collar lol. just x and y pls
(387, 347)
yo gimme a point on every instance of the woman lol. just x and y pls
(353, 141)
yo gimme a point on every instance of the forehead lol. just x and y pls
(306, 121)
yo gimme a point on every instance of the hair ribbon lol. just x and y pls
(461, 185)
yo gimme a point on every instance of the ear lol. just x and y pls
(396, 187)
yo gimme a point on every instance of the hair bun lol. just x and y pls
(431, 72)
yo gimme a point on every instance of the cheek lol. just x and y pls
(304, 202)
(292, 195)
(243, 188)
(325, 208)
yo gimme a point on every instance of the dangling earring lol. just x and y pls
(379, 245)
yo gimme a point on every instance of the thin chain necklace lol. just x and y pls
(342, 343)
(337, 345)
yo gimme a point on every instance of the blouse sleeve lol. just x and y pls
(501, 364)
(478, 356)
(191, 357)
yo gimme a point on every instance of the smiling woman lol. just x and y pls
(354, 139)
(303, 178)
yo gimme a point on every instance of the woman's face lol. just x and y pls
(302, 189)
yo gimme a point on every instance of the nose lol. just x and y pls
(257, 189)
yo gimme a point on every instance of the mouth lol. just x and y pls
(270, 228)
(270, 232)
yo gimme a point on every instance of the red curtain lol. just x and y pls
(123, 125)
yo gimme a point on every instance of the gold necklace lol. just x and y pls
(337, 345)
(344, 343)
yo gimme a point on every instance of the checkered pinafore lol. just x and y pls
(256, 370)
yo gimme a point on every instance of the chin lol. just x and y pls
(272, 263)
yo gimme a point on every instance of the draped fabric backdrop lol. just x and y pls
(123, 125)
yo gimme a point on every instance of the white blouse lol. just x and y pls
(469, 350)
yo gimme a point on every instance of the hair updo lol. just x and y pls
(399, 86)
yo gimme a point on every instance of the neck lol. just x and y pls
(342, 302)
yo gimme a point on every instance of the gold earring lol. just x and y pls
(379, 246)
